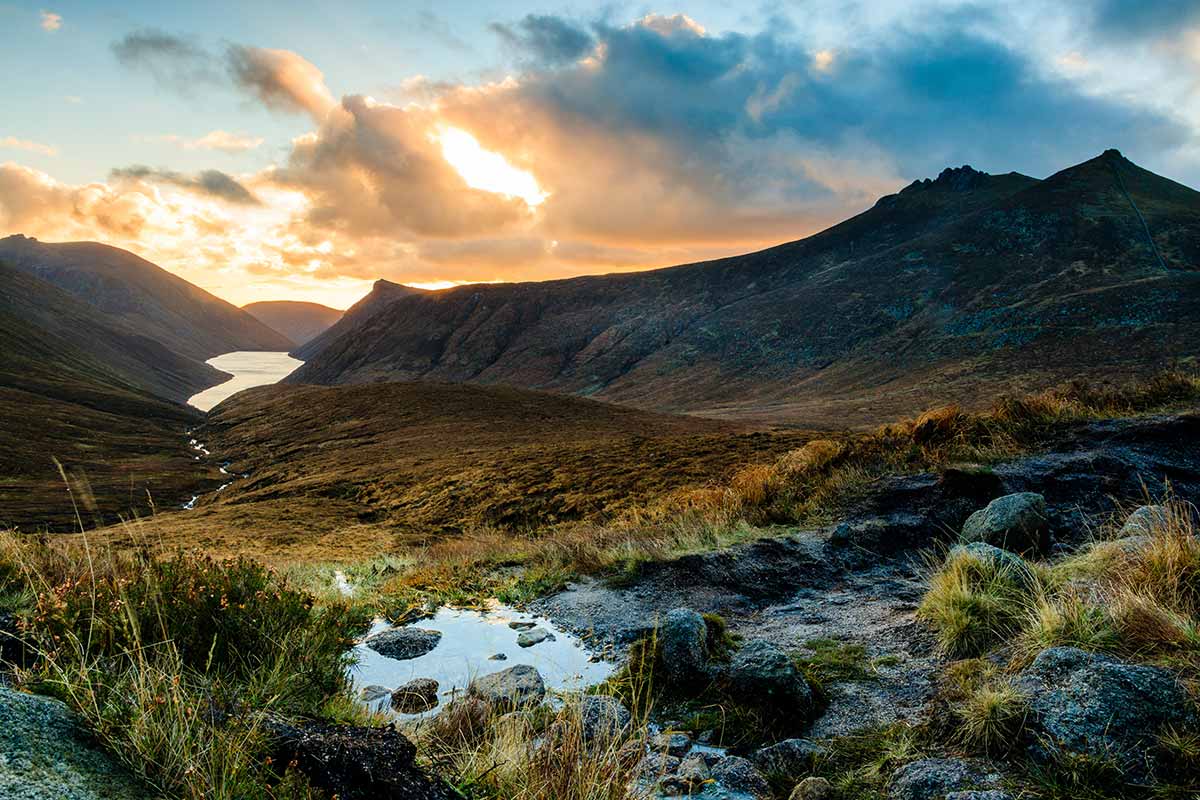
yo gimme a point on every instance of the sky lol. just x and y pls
(302, 150)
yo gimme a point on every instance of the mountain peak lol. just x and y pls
(954, 179)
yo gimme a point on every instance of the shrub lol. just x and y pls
(1065, 620)
(974, 602)
(991, 718)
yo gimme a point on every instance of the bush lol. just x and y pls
(975, 602)
(991, 718)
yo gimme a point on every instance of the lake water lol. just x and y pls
(249, 369)
(469, 639)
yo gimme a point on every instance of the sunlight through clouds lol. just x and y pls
(485, 170)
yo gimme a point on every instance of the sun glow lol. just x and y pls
(483, 169)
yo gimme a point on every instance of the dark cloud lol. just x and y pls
(1123, 19)
(210, 182)
(173, 61)
(549, 40)
(281, 79)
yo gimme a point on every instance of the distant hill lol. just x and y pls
(953, 289)
(298, 321)
(165, 307)
(381, 294)
(89, 390)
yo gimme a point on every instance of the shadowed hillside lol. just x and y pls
(160, 305)
(953, 289)
(300, 322)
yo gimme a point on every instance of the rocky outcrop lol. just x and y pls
(1014, 522)
(516, 687)
(1091, 705)
(354, 762)
(763, 675)
(937, 778)
(46, 753)
(404, 643)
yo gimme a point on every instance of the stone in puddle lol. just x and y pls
(522, 626)
(515, 687)
(416, 696)
(374, 692)
(498, 657)
(736, 774)
(535, 636)
(672, 743)
(404, 643)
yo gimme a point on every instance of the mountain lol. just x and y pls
(954, 289)
(298, 321)
(162, 306)
(94, 394)
(381, 295)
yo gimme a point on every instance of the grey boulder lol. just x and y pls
(602, 717)
(763, 674)
(515, 687)
(1014, 522)
(1144, 521)
(534, 636)
(681, 640)
(935, 778)
(404, 643)
(416, 696)
(790, 758)
(737, 774)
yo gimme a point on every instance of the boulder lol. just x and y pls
(998, 560)
(515, 687)
(353, 762)
(404, 643)
(1092, 705)
(1144, 521)
(694, 771)
(980, 794)
(45, 752)
(763, 675)
(534, 636)
(790, 758)
(416, 696)
(681, 639)
(737, 774)
(672, 743)
(1014, 522)
(934, 778)
(374, 692)
(655, 765)
(522, 626)
(602, 717)
(812, 789)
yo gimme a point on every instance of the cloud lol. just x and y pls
(14, 143)
(548, 39)
(1126, 19)
(210, 181)
(214, 140)
(51, 21)
(174, 62)
(281, 79)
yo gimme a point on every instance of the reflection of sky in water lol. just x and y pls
(469, 638)
(249, 369)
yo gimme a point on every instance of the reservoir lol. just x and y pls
(249, 369)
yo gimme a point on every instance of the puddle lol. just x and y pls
(469, 639)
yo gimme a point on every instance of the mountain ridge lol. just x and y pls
(963, 283)
(298, 321)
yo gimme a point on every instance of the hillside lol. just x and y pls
(87, 390)
(953, 289)
(300, 322)
(398, 463)
(162, 306)
(381, 295)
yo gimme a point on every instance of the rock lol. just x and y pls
(602, 717)
(884, 535)
(1144, 521)
(763, 675)
(1092, 705)
(655, 765)
(515, 687)
(534, 636)
(812, 789)
(934, 778)
(374, 692)
(790, 758)
(982, 794)
(694, 771)
(522, 626)
(416, 696)
(45, 752)
(1014, 522)
(681, 640)
(672, 743)
(672, 786)
(353, 762)
(404, 643)
(498, 657)
(738, 775)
